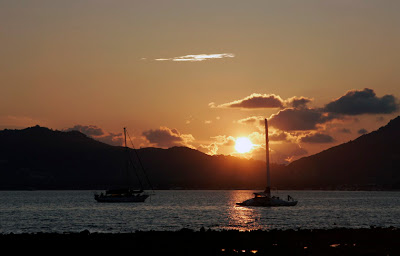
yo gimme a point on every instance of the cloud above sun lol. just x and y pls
(296, 123)
(292, 119)
(295, 115)
(198, 57)
(259, 101)
(255, 100)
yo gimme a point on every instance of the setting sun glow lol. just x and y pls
(243, 145)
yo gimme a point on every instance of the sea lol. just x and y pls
(172, 210)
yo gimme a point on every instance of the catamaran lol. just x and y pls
(125, 194)
(264, 198)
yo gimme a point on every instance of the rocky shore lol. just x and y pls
(341, 241)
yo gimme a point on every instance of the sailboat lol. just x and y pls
(264, 198)
(125, 194)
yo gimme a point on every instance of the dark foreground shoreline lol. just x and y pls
(340, 241)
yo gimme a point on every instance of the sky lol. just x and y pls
(202, 73)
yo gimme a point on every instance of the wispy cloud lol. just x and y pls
(198, 57)
(219, 141)
(257, 100)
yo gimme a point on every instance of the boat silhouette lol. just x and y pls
(265, 198)
(125, 194)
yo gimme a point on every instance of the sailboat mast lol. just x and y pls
(127, 161)
(268, 188)
(125, 137)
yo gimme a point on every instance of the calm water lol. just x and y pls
(74, 211)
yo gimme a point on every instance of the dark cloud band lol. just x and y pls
(362, 102)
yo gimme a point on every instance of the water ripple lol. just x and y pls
(74, 211)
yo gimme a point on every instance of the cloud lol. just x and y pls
(298, 102)
(273, 135)
(210, 149)
(198, 57)
(219, 141)
(99, 134)
(292, 119)
(278, 136)
(291, 155)
(281, 153)
(251, 120)
(257, 121)
(90, 130)
(362, 102)
(255, 100)
(110, 138)
(362, 131)
(317, 138)
(165, 137)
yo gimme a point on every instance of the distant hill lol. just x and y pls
(40, 158)
(372, 160)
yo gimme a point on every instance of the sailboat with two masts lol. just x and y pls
(264, 198)
(124, 194)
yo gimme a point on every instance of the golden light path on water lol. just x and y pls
(242, 218)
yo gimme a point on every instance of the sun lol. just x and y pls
(243, 145)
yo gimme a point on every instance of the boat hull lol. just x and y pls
(267, 202)
(121, 199)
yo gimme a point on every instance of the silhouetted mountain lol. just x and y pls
(40, 158)
(371, 160)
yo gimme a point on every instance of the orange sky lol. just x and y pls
(172, 71)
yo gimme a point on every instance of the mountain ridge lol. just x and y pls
(41, 158)
(372, 158)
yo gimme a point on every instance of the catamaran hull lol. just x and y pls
(267, 202)
(121, 199)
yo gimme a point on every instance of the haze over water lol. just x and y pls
(75, 211)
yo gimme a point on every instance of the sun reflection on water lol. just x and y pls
(242, 218)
